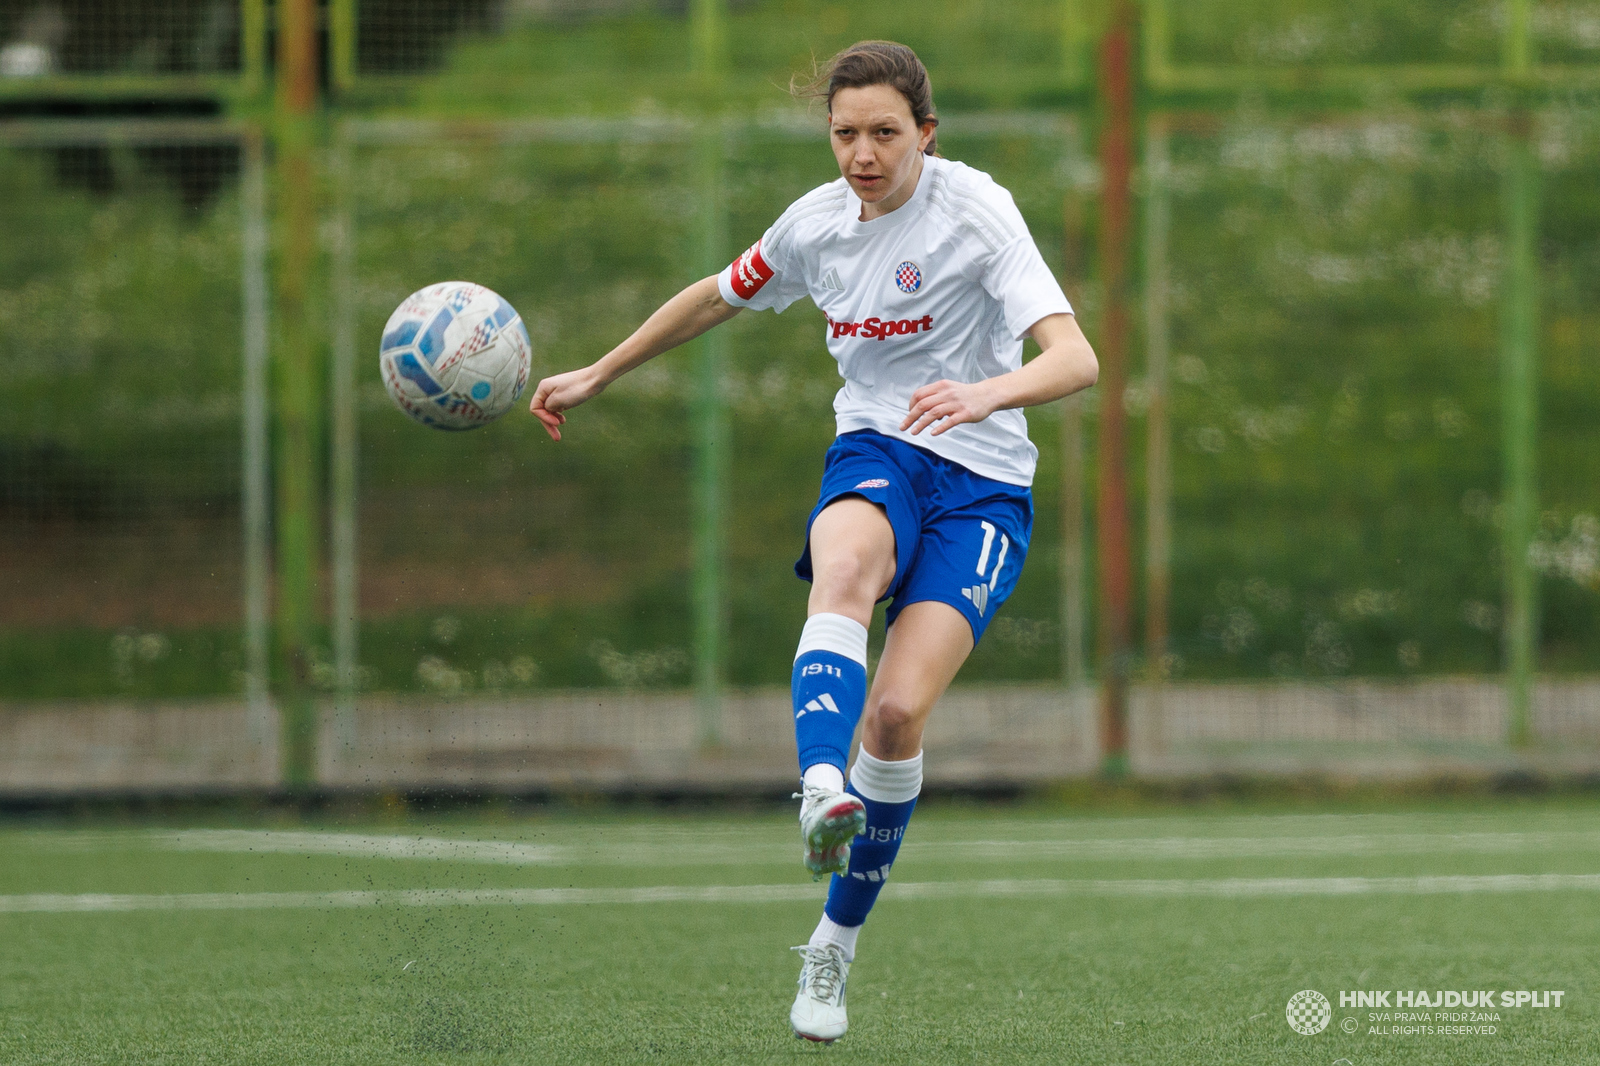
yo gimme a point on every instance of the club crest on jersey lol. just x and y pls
(874, 483)
(908, 276)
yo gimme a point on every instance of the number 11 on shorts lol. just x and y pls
(983, 556)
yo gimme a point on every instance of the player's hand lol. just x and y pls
(948, 403)
(562, 393)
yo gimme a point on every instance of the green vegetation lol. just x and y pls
(1195, 975)
(640, 62)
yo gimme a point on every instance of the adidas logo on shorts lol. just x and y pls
(823, 702)
(979, 595)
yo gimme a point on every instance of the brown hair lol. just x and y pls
(877, 63)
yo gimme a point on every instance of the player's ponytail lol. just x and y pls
(877, 63)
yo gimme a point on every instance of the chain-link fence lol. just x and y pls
(39, 38)
(1334, 292)
(123, 469)
(1340, 465)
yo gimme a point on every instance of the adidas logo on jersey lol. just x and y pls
(823, 702)
(830, 280)
(979, 595)
(880, 874)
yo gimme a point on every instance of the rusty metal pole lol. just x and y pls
(709, 408)
(296, 361)
(1074, 669)
(1158, 439)
(1115, 591)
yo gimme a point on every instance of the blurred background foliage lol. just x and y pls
(1335, 393)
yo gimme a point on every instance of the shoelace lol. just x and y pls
(825, 970)
(810, 792)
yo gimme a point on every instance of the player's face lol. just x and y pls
(878, 145)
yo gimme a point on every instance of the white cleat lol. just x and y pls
(818, 1011)
(828, 822)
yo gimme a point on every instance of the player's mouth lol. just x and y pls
(867, 181)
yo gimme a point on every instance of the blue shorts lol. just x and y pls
(959, 537)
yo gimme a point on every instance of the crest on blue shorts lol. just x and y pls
(908, 276)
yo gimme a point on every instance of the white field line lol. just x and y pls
(743, 850)
(365, 847)
(1230, 887)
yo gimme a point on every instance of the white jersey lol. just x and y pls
(944, 287)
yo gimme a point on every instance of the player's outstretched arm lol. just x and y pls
(1064, 365)
(679, 320)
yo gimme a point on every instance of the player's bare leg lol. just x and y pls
(925, 649)
(852, 558)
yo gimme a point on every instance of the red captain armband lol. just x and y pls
(750, 272)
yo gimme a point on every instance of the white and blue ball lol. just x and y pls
(455, 355)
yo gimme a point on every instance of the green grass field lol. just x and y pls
(1009, 934)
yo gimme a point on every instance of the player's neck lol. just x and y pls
(898, 198)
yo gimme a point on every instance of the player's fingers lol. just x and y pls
(955, 414)
(540, 393)
(923, 401)
(917, 413)
(955, 418)
(932, 415)
(929, 392)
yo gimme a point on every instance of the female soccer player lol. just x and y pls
(929, 281)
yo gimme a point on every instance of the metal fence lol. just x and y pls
(1363, 449)
(134, 506)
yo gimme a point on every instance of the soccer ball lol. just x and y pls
(455, 355)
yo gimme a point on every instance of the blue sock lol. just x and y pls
(829, 688)
(889, 791)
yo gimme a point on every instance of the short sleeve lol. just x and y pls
(764, 278)
(1018, 278)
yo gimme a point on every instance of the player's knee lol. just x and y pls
(895, 723)
(846, 577)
